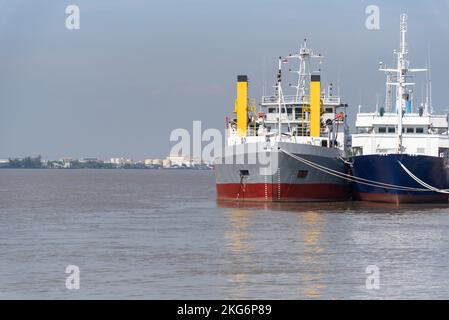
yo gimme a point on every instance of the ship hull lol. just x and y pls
(386, 169)
(290, 180)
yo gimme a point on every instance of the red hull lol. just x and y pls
(401, 198)
(282, 192)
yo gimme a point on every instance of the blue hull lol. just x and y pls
(386, 169)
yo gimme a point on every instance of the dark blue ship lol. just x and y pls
(401, 151)
(388, 181)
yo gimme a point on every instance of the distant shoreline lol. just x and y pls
(173, 163)
(87, 168)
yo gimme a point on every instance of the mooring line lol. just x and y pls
(353, 178)
(428, 186)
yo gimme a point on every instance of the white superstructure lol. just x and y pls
(402, 128)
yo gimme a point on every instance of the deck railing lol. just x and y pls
(292, 99)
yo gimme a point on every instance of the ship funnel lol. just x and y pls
(241, 105)
(315, 105)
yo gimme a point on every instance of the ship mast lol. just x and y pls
(304, 55)
(279, 93)
(400, 81)
(429, 84)
(401, 78)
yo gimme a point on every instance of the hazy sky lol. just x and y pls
(138, 69)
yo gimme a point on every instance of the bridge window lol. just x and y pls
(419, 130)
(410, 130)
(391, 129)
(363, 130)
(382, 130)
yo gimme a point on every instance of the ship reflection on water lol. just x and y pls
(331, 207)
(239, 237)
(314, 250)
(239, 244)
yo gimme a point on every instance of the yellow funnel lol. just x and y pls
(241, 105)
(315, 106)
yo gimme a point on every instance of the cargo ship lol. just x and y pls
(401, 151)
(274, 153)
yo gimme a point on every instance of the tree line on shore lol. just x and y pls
(37, 163)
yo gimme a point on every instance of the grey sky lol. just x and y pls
(138, 69)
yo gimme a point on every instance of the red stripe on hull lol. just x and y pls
(283, 192)
(402, 198)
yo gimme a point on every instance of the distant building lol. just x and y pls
(179, 161)
(89, 159)
(153, 163)
(66, 162)
(44, 163)
(166, 163)
(157, 162)
(194, 161)
(4, 162)
(120, 162)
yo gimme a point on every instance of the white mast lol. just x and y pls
(281, 101)
(429, 82)
(400, 81)
(279, 92)
(304, 55)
